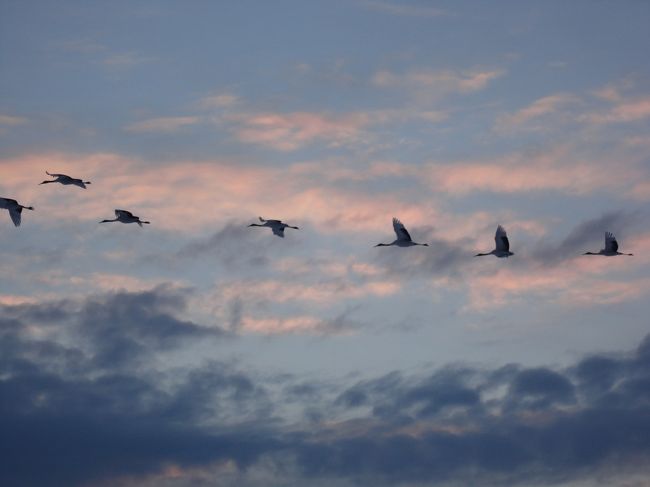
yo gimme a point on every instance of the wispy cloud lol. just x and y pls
(162, 124)
(625, 111)
(440, 81)
(291, 131)
(124, 60)
(534, 116)
(219, 100)
(12, 120)
(403, 9)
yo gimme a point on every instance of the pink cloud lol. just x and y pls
(12, 120)
(582, 281)
(549, 105)
(553, 170)
(291, 131)
(440, 81)
(162, 124)
(629, 110)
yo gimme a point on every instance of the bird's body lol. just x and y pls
(276, 226)
(15, 209)
(502, 247)
(403, 237)
(124, 216)
(65, 180)
(611, 247)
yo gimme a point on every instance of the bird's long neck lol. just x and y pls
(45, 182)
(107, 221)
(255, 225)
(590, 253)
(481, 255)
(384, 245)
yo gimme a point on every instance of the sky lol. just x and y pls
(199, 351)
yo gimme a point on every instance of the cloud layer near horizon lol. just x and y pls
(77, 413)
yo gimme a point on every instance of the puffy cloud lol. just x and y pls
(215, 423)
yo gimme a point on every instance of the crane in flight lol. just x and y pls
(65, 180)
(124, 216)
(15, 209)
(611, 247)
(403, 237)
(276, 226)
(502, 248)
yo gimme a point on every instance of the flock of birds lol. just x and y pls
(502, 247)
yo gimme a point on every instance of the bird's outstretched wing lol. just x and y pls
(279, 231)
(15, 214)
(501, 239)
(54, 175)
(123, 213)
(611, 245)
(400, 231)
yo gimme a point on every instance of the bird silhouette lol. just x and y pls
(403, 237)
(65, 180)
(124, 216)
(15, 209)
(611, 247)
(502, 248)
(276, 226)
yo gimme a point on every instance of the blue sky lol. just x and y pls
(311, 359)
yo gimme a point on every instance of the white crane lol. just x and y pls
(276, 226)
(65, 180)
(611, 247)
(502, 244)
(124, 216)
(403, 237)
(15, 209)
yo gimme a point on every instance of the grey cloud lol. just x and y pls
(442, 257)
(234, 245)
(69, 420)
(588, 236)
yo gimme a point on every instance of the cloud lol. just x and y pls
(162, 124)
(213, 422)
(555, 169)
(12, 120)
(124, 60)
(118, 328)
(402, 9)
(291, 131)
(626, 111)
(438, 81)
(220, 100)
(587, 234)
(535, 115)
